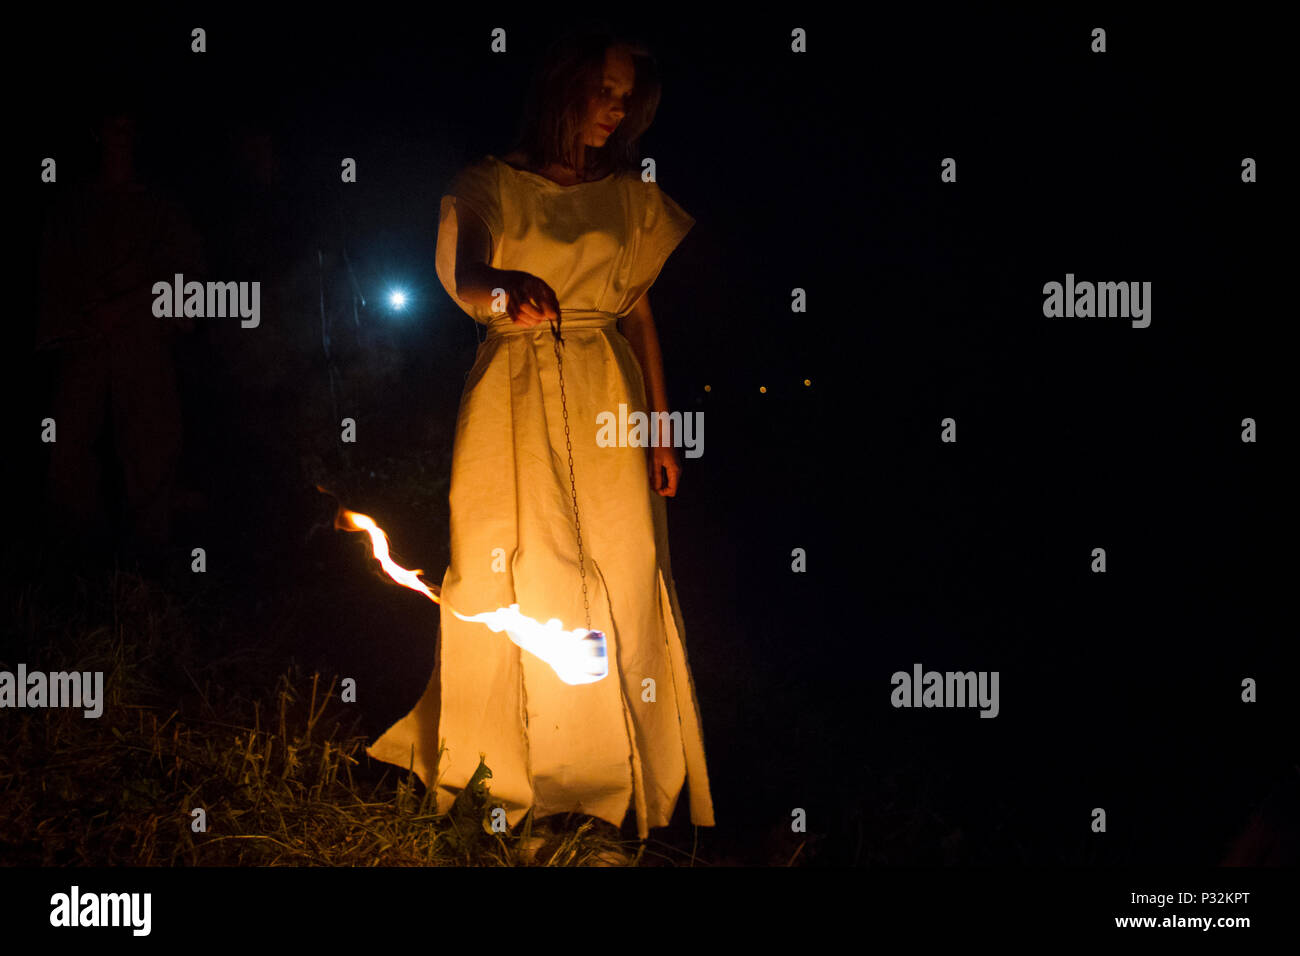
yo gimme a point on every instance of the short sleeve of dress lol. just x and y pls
(663, 225)
(474, 191)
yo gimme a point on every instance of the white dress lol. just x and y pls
(634, 738)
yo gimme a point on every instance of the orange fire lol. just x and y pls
(577, 656)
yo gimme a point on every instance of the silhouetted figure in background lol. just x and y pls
(104, 246)
(259, 226)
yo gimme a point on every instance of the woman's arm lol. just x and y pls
(639, 330)
(475, 279)
(529, 300)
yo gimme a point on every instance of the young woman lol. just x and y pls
(562, 235)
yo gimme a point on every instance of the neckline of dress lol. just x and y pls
(552, 182)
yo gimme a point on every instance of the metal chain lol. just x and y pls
(573, 485)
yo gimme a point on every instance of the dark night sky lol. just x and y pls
(821, 171)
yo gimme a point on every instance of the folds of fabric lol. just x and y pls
(634, 738)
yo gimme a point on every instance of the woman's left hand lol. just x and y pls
(663, 461)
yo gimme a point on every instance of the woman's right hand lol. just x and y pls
(529, 300)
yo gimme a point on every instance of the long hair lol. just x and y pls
(555, 108)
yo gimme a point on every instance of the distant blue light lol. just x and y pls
(397, 299)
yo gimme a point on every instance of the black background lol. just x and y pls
(821, 171)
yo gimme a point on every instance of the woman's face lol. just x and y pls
(607, 106)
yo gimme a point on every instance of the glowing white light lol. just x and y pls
(397, 299)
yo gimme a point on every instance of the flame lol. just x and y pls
(577, 656)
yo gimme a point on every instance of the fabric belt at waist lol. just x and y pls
(570, 321)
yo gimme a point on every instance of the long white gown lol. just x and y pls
(635, 737)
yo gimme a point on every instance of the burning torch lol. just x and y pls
(577, 656)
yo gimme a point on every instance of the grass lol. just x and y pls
(194, 763)
(210, 752)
